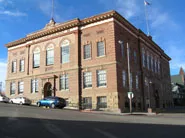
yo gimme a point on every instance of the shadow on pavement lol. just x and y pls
(44, 128)
(178, 109)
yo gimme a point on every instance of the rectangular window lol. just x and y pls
(137, 82)
(87, 103)
(12, 88)
(65, 54)
(122, 49)
(34, 86)
(21, 65)
(135, 57)
(50, 57)
(87, 79)
(20, 87)
(87, 51)
(101, 78)
(148, 64)
(124, 78)
(36, 60)
(14, 66)
(101, 49)
(102, 102)
(159, 67)
(64, 82)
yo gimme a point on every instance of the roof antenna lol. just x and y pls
(52, 12)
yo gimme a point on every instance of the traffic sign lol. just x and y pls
(130, 95)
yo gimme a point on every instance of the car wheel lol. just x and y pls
(52, 105)
(38, 104)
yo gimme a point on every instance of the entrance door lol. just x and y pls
(47, 89)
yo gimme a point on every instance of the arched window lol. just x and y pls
(36, 58)
(50, 55)
(143, 57)
(65, 51)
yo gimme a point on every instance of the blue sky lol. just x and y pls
(166, 20)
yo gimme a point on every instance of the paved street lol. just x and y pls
(32, 122)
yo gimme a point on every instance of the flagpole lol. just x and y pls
(146, 16)
(52, 12)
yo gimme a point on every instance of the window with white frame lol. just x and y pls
(101, 78)
(87, 79)
(137, 82)
(21, 66)
(34, 85)
(124, 78)
(12, 88)
(14, 66)
(20, 87)
(36, 58)
(102, 102)
(50, 56)
(87, 51)
(65, 51)
(65, 54)
(64, 82)
(100, 49)
(143, 57)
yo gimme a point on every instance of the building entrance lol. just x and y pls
(47, 89)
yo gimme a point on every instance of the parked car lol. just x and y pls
(20, 100)
(52, 102)
(3, 98)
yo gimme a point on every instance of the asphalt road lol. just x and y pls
(18, 121)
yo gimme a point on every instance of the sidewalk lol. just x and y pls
(120, 114)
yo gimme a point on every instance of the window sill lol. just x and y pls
(36, 67)
(87, 59)
(64, 63)
(101, 56)
(66, 90)
(12, 94)
(87, 88)
(34, 92)
(101, 86)
(49, 65)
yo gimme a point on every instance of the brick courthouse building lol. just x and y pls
(83, 62)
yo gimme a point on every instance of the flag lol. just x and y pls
(146, 3)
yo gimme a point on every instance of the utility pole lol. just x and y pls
(128, 60)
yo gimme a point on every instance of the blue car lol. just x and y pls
(52, 102)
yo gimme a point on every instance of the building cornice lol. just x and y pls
(80, 23)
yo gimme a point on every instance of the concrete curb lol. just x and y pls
(120, 114)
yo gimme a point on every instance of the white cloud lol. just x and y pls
(3, 68)
(10, 13)
(128, 8)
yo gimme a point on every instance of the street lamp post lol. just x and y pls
(128, 60)
(149, 108)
